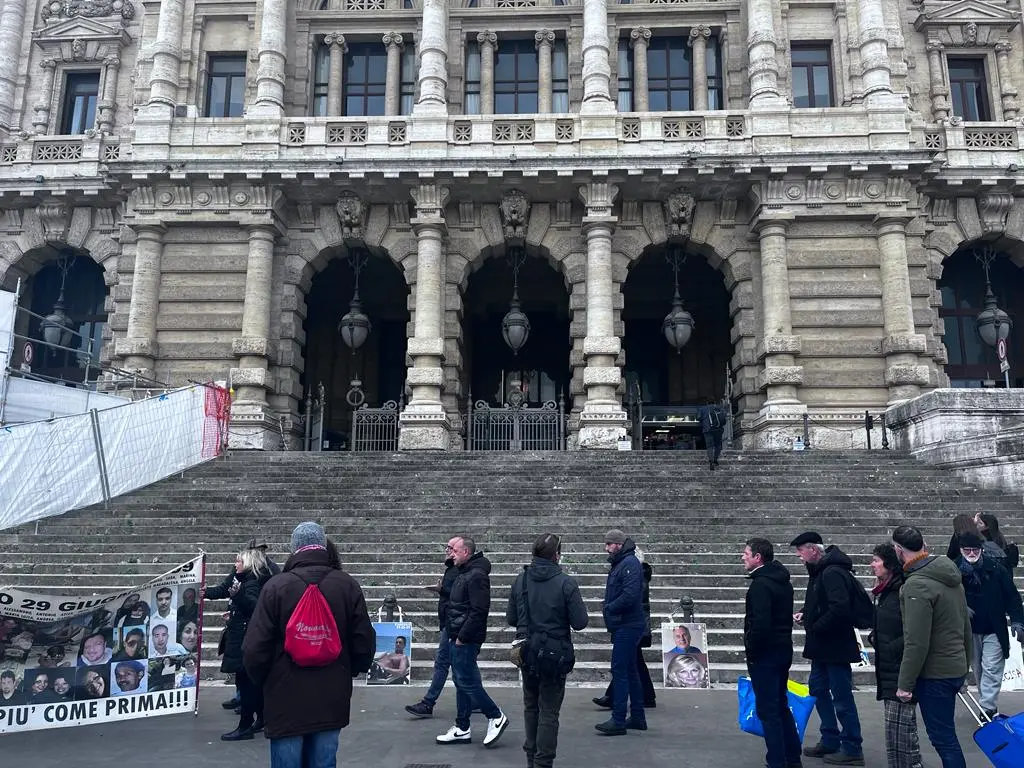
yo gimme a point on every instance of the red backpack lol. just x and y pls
(311, 636)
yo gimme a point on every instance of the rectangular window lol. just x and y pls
(812, 75)
(968, 88)
(366, 71)
(560, 77)
(407, 86)
(625, 76)
(713, 61)
(225, 89)
(515, 78)
(81, 90)
(321, 77)
(472, 105)
(669, 75)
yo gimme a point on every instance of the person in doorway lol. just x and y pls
(442, 658)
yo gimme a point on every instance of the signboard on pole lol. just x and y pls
(684, 655)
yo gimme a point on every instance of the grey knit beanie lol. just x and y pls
(308, 534)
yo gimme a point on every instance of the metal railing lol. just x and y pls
(516, 426)
(376, 429)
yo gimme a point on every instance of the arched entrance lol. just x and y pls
(379, 362)
(671, 384)
(971, 362)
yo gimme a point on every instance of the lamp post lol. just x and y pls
(678, 324)
(515, 326)
(993, 323)
(355, 326)
(56, 327)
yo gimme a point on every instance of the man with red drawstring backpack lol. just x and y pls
(308, 637)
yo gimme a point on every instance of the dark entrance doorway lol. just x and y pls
(379, 363)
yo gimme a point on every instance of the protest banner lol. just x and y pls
(392, 663)
(684, 655)
(68, 660)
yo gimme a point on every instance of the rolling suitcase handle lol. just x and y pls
(977, 711)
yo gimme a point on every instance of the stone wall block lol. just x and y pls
(896, 344)
(778, 345)
(602, 375)
(425, 377)
(781, 374)
(907, 374)
(252, 345)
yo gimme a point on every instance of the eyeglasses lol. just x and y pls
(971, 550)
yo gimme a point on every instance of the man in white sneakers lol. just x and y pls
(466, 624)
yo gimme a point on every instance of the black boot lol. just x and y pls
(242, 733)
(603, 702)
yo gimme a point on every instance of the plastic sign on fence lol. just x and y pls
(69, 660)
(684, 655)
(392, 662)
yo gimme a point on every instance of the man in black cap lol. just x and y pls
(830, 642)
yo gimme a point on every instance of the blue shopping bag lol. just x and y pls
(801, 704)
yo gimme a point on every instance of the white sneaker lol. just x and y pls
(456, 735)
(495, 728)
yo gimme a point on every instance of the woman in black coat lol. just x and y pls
(241, 588)
(901, 741)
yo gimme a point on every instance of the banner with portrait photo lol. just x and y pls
(68, 660)
(684, 655)
(392, 660)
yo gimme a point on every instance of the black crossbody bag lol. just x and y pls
(546, 657)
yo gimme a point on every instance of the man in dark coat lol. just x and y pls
(624, 619)
(466, 620)
(306, 707)
(712, 417)
(650, 696)
(544, 605)
(991, 598)
(768, 642)
(831, 646)
(442, 658)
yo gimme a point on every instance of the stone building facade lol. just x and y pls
(809, 169)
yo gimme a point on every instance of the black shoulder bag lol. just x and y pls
(546, 657)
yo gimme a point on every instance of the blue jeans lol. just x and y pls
(769, 678)
(937, 700)
(469, 690)
(832, 686)
(442, 663)
(313, 750)
(625, 676)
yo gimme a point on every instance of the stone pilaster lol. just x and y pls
(433, 53)
(1007, 90)
(699, 44)
(545, 40)
(163, 78)
(937, 81)
(602, 420)
(900, 344)
(424, 424)
(41, 121)
(779, 347)
(597, 71)
(139, 348)
(639, 38)
(336, 48)
(393, 43)
(12, 27)
(876, 68)
(762, 55)
(107, 105)
(487, 41)
(272, 57)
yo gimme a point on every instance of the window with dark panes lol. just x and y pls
(407, 86)
(560, 77)
(812, 75)
(515, 77)
(669, 75)
(625, 76)
(321, 79)
(472, 105)
(714, 71)
(225, 89)
(366, 73)
(81, 90)
(968, 88)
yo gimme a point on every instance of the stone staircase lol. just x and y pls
(391, 514)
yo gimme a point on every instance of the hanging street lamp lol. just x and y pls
(515, 326)
(992, 322)
(56, 327)
(678, 324)
(355, 326)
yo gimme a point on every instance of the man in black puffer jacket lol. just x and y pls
(768, 642)
(466, 622)
(831, 645)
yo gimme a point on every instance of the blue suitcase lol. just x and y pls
(1002, 739)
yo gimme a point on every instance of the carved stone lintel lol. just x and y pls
(55, 216)
(351, 213)
(57, 9)
(515, 213)
(679, 208)
(993, 208)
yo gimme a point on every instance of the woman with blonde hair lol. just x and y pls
(241, 588)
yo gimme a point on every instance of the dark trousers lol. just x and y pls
(937, 700)
(769, 678)
(713, 443)
(832, 687)
(645, 680)
(250, 699)
(542, 700)
(442, 663)
(625, 675)
(469, 690)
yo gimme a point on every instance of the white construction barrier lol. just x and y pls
(30, 400)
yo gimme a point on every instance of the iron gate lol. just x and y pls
(376, 429)
(516, 426)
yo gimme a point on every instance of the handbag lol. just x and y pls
(801, 704)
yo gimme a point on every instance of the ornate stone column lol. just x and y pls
(393, 42)
(108, 103)
(487, 41)
(271, 61)
(597, 71)
(762, 55)
(336, 47)
(699, 44)
(602, 420)
(901, 345)
(874, 53)
(139, 348)
(433, 52)
(639, 38)
(545, 39)
(778, 348)
(1007, 91)
(12, 27)
(41, 122)
(424, 423)
(163, 78)
(937, 81)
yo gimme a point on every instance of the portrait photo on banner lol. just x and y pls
(684, 655)
(392, 661)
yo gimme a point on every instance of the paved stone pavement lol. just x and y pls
(689, 729)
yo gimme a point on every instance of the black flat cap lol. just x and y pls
(807, 537)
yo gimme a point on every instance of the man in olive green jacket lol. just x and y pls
(936, 641)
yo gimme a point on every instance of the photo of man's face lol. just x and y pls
(128, 678)
(160, 637)
(163, 602)
(7, 685)
(682, 636)
(134, 644)
(94, 649)
(95, 686)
